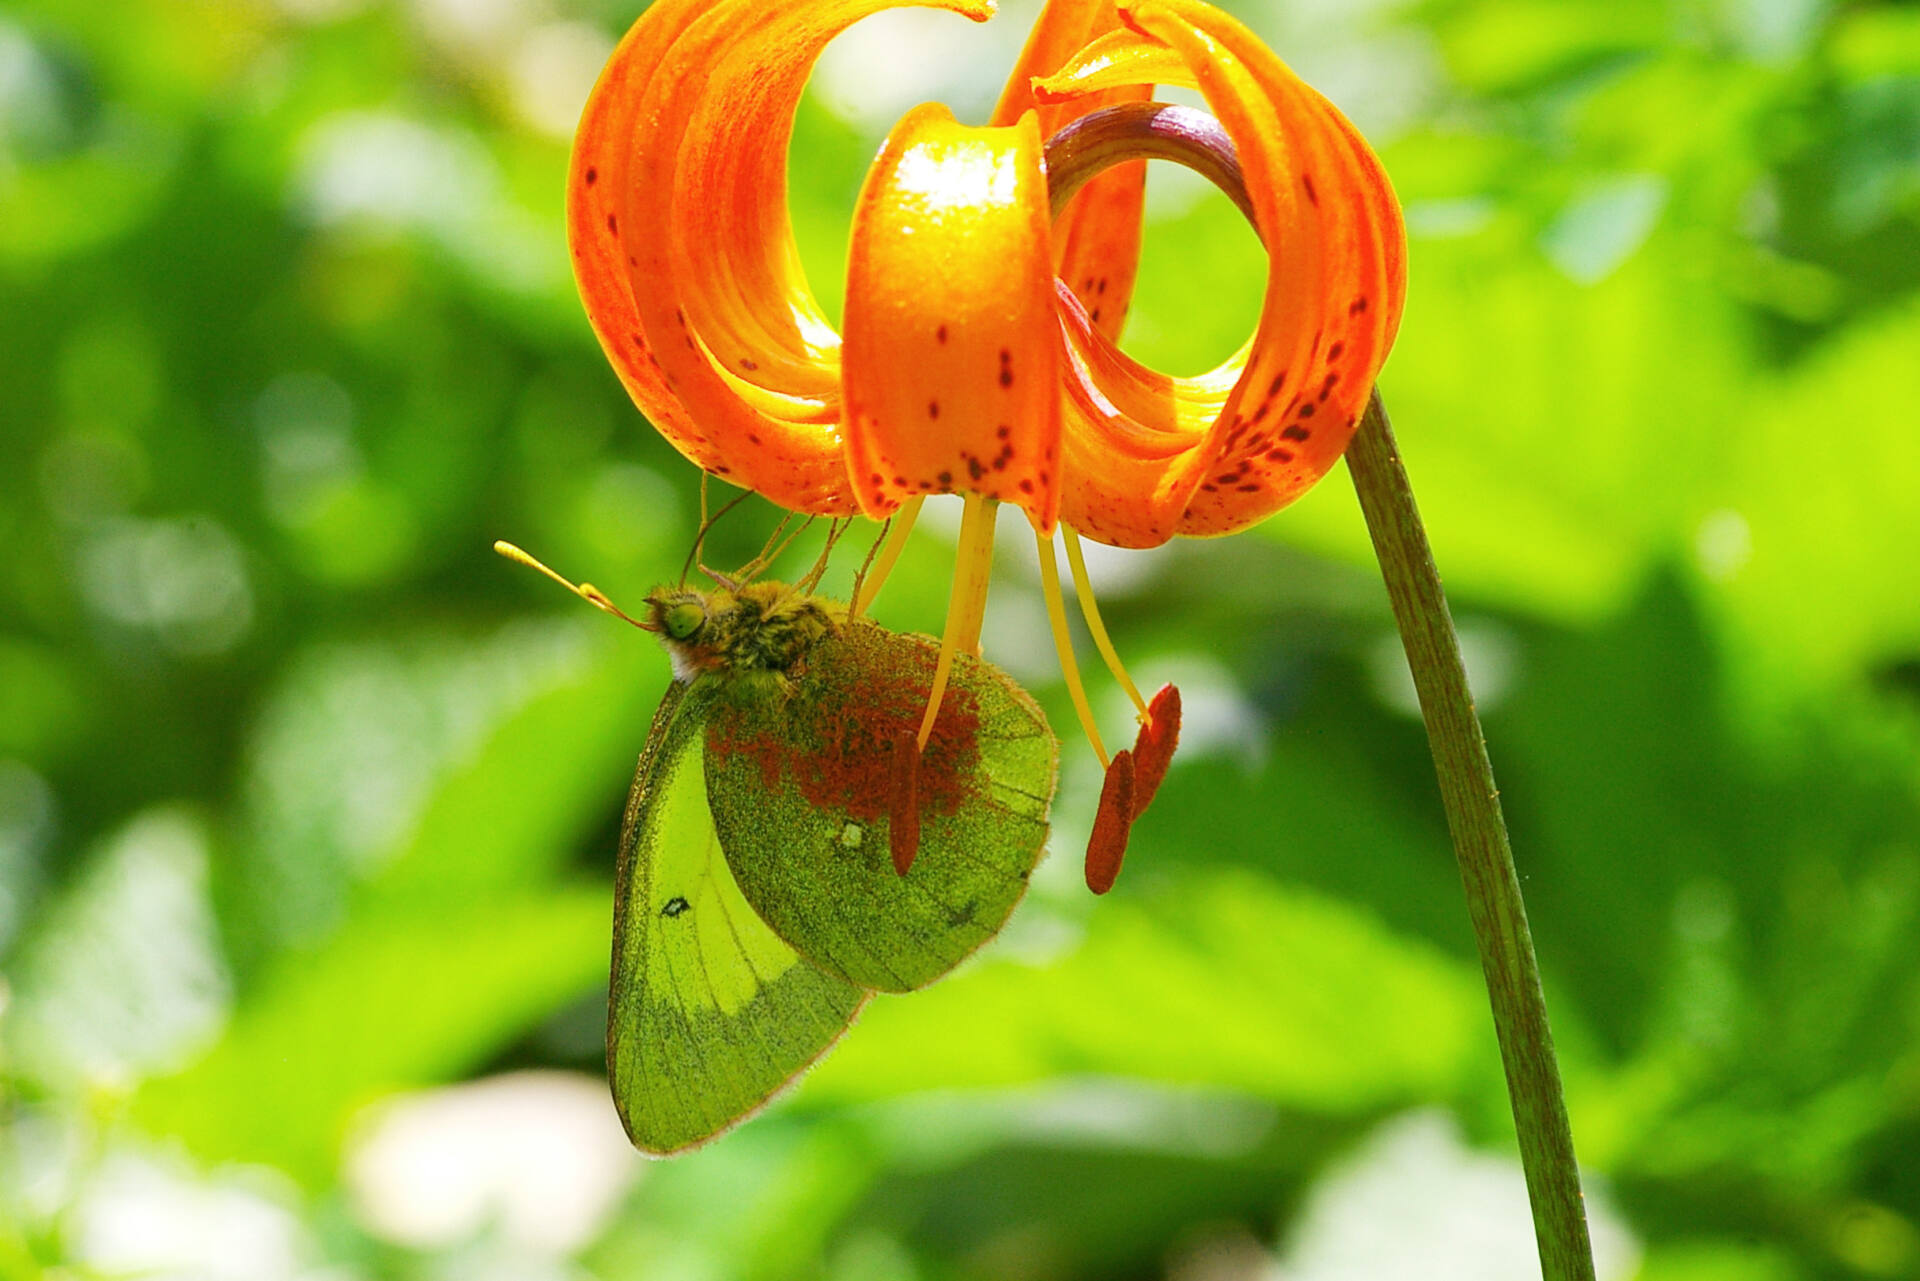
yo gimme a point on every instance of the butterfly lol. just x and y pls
(782, 857)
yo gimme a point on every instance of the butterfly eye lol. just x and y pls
(683, 620)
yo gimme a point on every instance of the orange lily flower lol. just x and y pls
(979, 355)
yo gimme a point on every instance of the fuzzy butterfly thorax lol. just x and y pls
(760, 627)
(761, 647)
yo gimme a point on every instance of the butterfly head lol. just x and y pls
(685, 621)
(763, 627)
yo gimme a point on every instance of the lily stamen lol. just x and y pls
(1063, 642)
(967, 605)
(1090, 610)
(896, 542)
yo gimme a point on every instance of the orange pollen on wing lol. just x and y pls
(840, 751)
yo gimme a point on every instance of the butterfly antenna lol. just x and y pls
(706, 523)
(585, 591)
(835, 528)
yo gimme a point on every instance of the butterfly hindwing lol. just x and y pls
(710, 1012)
(799, 781)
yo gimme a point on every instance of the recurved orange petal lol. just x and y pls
(598, 172)
(1151, 456)
(1097, 237)
(951, 368)
(682, 244)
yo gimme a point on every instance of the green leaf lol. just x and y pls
(1225, 980)
(1805, 540)
(391, 1001)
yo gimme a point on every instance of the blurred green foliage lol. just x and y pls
(307, 801)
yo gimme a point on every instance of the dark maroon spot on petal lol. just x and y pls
(1273, 388)
(1006, 376)
(1308, 411)
(946, 479)
(1102, 287)
(1280, 455)
(933, 409)
(613, 224)
(1313, 197)
(1251, 489)
(876, 480)
(1003, 431)
(1358, 305)
(749, 364)
(1336, 351)
(1261, 412)
(753, 438)
(940, 334)
(1295, 432)
(1026, 485)
(900, 482)
(1211, 488)
(593, 175)
(975, 469)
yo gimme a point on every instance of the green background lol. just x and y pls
(308, 802)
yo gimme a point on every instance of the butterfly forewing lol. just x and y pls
(710, 1012)
(799, 781)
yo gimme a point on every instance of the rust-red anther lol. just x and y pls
(1153, 748)
(1111, 825)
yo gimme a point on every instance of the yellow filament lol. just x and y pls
(889, 554)
(973, 566)
(585, 591)
(1063, 642)
(1083, 588)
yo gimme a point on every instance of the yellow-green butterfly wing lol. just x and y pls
(798, 780)
(710, 1013)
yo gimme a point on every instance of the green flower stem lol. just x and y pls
(1480, 842)
(1162, 131)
